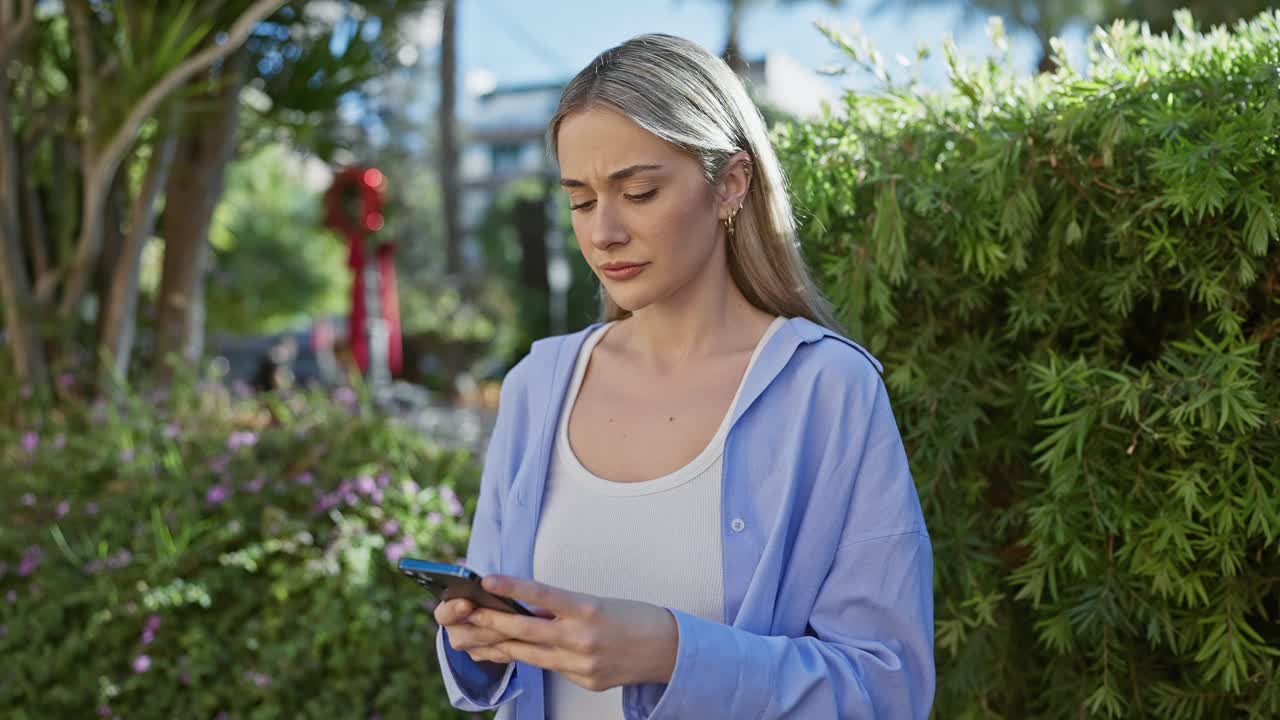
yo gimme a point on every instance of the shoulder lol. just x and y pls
(826, 353)
(537, 368)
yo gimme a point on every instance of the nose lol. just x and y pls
(607, 228)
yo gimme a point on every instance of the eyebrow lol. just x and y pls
(614, 176)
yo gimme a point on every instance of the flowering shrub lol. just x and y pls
(205, 554)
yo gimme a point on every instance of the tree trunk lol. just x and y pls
(732, 51)
(106, 160)
(449, 139)
(120, 313)
(113, 219)
(15, 286)
(194, 189)
(530, 217)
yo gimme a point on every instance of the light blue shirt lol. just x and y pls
(828, 571)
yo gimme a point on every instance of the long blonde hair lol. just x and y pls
(683, 94)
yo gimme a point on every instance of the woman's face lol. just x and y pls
(636, 199)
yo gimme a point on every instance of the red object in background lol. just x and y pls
(353, 207)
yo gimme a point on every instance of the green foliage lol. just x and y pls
(207, 553)
(527, 309)
(1074, 283)
(275, 264)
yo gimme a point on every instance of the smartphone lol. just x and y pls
(448, 582)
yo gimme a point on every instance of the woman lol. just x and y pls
(707, 488)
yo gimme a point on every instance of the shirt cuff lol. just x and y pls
(713, 672)
(480, 684)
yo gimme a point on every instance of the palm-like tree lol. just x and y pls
(736, 12)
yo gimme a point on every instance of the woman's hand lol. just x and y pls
(597, 643)
(454, 616)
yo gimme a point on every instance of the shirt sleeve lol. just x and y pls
(477, 686)
(869, 652)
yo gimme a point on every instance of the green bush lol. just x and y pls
(1074, 283)
(212, 555)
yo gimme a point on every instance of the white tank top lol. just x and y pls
(655, 541)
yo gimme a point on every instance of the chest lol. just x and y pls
(628, 428)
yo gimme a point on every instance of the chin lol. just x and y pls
(632, 300)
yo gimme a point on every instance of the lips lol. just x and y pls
(619, 271)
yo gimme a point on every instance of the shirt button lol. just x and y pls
(738, 525)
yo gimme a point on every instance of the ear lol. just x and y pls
(735, 181)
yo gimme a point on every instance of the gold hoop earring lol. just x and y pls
(728, 222)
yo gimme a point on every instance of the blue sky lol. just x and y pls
(526, 41)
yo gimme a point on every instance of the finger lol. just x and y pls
(453, 612)
(537, 655)
(466, 637)
(542, 631)
(487, 654)
(557, 601)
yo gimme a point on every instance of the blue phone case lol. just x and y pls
(448, 582)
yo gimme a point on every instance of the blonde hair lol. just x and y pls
(683, 94)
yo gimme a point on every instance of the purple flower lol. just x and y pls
(390, 527)
(149, 631)
(410, 487)
(384, 480)
(28, 500)
(255, 484)
(396, 550)
(260, 679)
(91, 508)
(120, 559)
(241, 439)
(30, 441)
(305, 478)
(104, 711)
(376, 497)
(93, 567)
(30, 560)
(59, 442)
(66, 380)
(451, 501)
(326, 503)
(350, 498)
(63, 508)
(365, 484)
(141, 664)
(216, 494)
(172, 431)
(345, 396)
(434, 518)
(126, 455)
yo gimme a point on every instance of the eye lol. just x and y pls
(642, 196)
(584, 205)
